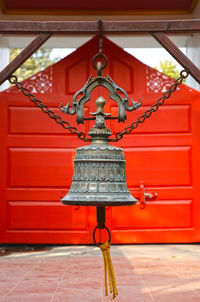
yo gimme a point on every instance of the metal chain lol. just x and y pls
(119, 135)
(13, 80)
(81, 135)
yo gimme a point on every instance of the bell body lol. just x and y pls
(99, 170)
(99, 177)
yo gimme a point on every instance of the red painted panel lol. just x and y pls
(37, 158)
(36, 194)
(32, 215)
(40, 167)
(167, 119)
(162, 166)
(165, 214)
(128, 73)
(31, 120)
(78, 71)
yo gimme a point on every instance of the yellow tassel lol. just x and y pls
(105, 274)
(108, 270)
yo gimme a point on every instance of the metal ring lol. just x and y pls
(184, 73)
(94, 232)
(12, 79)
(99, 56)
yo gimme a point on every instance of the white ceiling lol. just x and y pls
(10, 41)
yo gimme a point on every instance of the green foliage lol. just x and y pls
(39, 61)
(169, 68)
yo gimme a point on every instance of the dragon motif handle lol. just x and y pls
(82, 96)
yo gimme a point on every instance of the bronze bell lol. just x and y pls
(99, 170)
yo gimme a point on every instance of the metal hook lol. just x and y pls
(99, 69)
(100, 54)
(100, 26)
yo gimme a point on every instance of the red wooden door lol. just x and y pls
(37, 157)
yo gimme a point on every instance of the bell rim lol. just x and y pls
(99, 204)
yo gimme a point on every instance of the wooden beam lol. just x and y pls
(90, 27)
(177, 54)
(23, 56)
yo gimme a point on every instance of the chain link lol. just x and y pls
(119, 135)
(81, 135)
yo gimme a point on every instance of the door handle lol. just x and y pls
(145, 195)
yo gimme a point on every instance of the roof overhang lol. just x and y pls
(96, 7)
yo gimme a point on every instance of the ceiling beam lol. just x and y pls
(91, 27)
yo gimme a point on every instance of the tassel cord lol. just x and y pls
(105, 274)
(108, 269)
(112, 273)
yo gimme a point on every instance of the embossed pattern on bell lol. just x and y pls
(99, 177)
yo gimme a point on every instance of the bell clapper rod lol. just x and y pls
(101, 217)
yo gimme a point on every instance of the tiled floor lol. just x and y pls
(144, 273)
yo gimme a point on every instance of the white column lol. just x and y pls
(4, 60)
(193, 53)
(193, 50)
